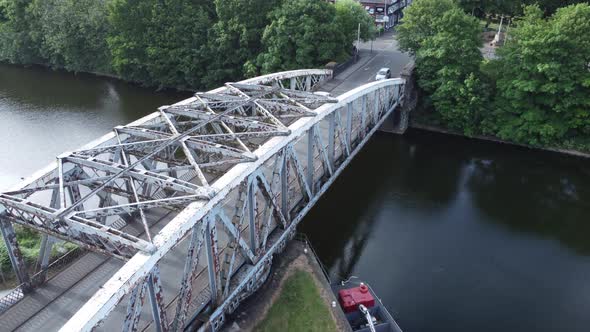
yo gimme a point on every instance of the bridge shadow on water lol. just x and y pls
(344, 219)
(462, 235)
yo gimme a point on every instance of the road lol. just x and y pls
(384, 53)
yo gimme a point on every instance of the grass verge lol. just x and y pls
(299, 308)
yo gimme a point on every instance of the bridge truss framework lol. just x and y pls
(238, 167)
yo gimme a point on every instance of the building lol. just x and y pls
(387, 13)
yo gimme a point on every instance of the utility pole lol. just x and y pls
(496, 40)
(358, 42)
(385, 14)
(506, 33)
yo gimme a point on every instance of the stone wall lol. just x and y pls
(399, 119)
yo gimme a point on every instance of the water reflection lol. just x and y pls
(43, 113)
(406, 175)
(546, 195)
(459, 235)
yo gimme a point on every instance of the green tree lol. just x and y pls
(544, 80)
(349, 14)
(513, 7)
(16, 44)
(160, 42)
(302, 34)
(420, 22)
(72, 34)
(131, 22)
(551, 6)
(236, 38)
(445, 42)
(3, 12)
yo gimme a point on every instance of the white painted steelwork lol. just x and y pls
(244, 163)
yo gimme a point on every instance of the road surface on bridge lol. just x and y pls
(385, 53)
(50, 306)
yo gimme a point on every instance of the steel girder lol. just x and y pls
(228, 241)
(165, 160)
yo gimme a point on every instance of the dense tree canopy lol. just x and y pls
(64, 34)
(179, 43)
(445, 41)
(302, 34)
(72, 34)
(160, 41)
(537, 91)
(349, 16)
(513, 7)
(544, 80)
(421, 23)
(237, 36)
(16, 42)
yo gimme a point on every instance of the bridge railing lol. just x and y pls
(56, 266)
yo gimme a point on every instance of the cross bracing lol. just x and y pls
(239, 166)
(165, 162)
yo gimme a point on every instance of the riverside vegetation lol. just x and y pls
(536, 92)
(186, 44)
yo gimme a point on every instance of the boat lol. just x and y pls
(362, 307)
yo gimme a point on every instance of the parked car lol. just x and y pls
(322, 93)
(383, 74)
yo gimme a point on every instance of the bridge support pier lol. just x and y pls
(399, 121)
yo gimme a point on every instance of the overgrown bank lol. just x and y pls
(299, 307)
(536, 93)
(185, 44)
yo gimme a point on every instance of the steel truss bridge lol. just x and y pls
(196, 198)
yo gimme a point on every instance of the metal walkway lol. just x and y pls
(184, 208)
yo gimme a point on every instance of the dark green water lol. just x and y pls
(459, 235)
(455, 235)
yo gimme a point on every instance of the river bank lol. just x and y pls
(438, 129)
(261, 310)
(98, 75)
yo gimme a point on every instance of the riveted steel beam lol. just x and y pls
(246, 276)
(213, 267)
(237, 121)
(73, 228)
(192, 142)
(113, 210)
(140, 175)
(134, 306)
(158, 305)
(190, 270)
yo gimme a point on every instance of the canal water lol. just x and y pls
(453, 234)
